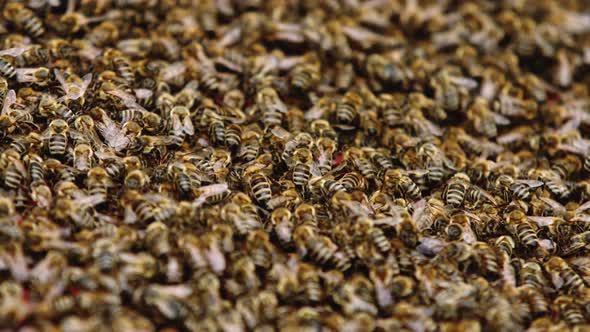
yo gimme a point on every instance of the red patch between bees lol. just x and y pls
(338, 159)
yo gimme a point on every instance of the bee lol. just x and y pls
(302, 167)
(383, 73)
(98, 182)
(260, 248)
(83, 157)
(489, 265)
(157, 239)
(259, 186)
(347, 108)
(233, 136)
(24, 19)
(397, 179)
(455, 189)
(537, 301)
(522, 229)
(306, 75)
(56, 137)
(521, 189)
(571, 311)
(460, 227)
(136, 179)
(282, 220)
(180, 123)
(7, 69)
(310, 280)
(121, 64)
(567, 166)
(483, 119)
(103, 34)
(505, 244)
(14, 174)
(353, 181)
(271, 106)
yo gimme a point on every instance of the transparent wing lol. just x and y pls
(9, 100)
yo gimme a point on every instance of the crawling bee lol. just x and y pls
(121, 64)
(455, 189)
(24, 19)
(56, 137)
(398, 180)
(347, 108)
(259, 186)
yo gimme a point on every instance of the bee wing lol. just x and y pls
(84, 200)
(465, 82)
(231, 36)
(583, 207)
(9, 100)
(510, 137)
(177, 126)
(173, 70)
(127, 99)
(555, 205)
(188, 126)
(60, 78)
(547, 244)
(531, 183)
(13, 51)
(25, 75)
(468, 235)
(486, 194)
(86, 79)
(114, 136)
(389, 221)
(500, 119)
(431, 127)
(280, 132)
(315, 112)
(508, 275)
(358, 208)
(541, 221)
(208, 191)
(430, 246)
(143, 93)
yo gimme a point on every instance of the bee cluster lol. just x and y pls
(337, 165)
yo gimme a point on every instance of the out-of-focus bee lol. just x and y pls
(24, 19)
(157, 239)
(56, 137)
(562, 275)
(567, 166)
(306, 75)
(397, 180)
(384, 73)
(572, 312)
(347, 108)
(281, 219)
(103, 34)
(505, 244)
(483, 119)
(98, 182)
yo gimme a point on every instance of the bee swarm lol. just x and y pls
(284, 165)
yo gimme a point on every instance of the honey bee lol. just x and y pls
(384, 73)
(103, 34)
(24, 19)
(347, 108)
(259, 186)
(483, 119)
(271, 106)
(571, 311)
(397, 180)
(281, 219)
(120, 63)
(455, 190)
(306, 75)
(56, 137)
